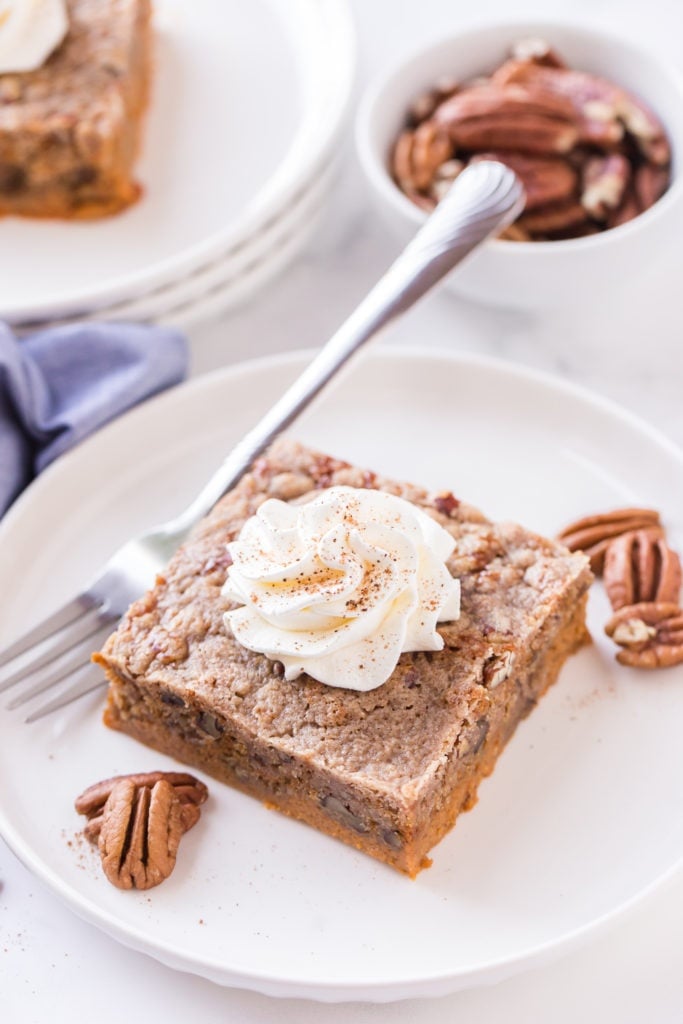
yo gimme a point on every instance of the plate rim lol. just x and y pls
(334, 23)
(333, 989)
(384, 350)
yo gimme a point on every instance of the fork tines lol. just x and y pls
(59, 646)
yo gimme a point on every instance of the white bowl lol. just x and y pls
(530, 275)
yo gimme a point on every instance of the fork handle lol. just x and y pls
(486, 197)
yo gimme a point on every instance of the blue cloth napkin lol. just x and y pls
(62, 383)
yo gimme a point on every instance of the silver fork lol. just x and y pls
(56, 653)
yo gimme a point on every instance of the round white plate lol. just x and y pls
(583, 814)
(211, 290)
(248, 101)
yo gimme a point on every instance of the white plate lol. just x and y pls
(210, 291)
(248, 101)
(230, 281)
(583, 814)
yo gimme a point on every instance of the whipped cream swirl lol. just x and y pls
(29, 31)
(340, 586)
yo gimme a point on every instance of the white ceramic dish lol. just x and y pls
(532, 275)
(210, 291)
(248, 102)
(215, 294)
(581, 817)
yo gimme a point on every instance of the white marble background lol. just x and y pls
(55, 968)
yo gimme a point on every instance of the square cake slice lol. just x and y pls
(70, 130)
(387, 770)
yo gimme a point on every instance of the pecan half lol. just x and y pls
(645, 128)
(137, 821)
(188, 788)
(650, 184)
(640, 567)
(593, 99)
(604, 110)
(592, 534)
(553, 217)
(527, 133)
(502, 100)
(493, 117)
(140, 834)
(418, 154)
(545, 179)
(626, 211)
(649, 633)
(605, 179)
(513, 233)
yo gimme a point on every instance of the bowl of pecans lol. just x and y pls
(591, 123)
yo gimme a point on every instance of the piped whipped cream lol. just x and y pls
(341, 586)
(29, 31)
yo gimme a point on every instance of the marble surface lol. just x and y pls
(53, 967)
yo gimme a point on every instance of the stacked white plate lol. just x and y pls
(248, 106)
